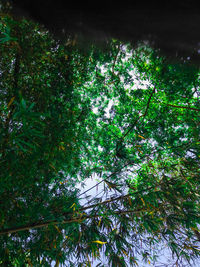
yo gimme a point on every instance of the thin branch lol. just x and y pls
(80, 215)
(115, 59)
(145, 113)
(113, 173)
(175, 106)
(79, 219)
(105, 202)
(43, 224)
(148, 103)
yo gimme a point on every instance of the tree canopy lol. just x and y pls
(127, 116)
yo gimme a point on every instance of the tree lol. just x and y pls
(68, 114)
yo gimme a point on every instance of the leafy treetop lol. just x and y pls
(125, 115)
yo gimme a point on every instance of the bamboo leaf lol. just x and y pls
(99, 242)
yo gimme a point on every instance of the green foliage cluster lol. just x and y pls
(66, 114)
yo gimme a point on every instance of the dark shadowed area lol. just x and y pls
(171, 26)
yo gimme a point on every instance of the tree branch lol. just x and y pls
(78, 219)
(79, 216)
(145, 113)
(175, 106)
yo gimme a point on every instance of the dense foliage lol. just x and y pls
(127, 116)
